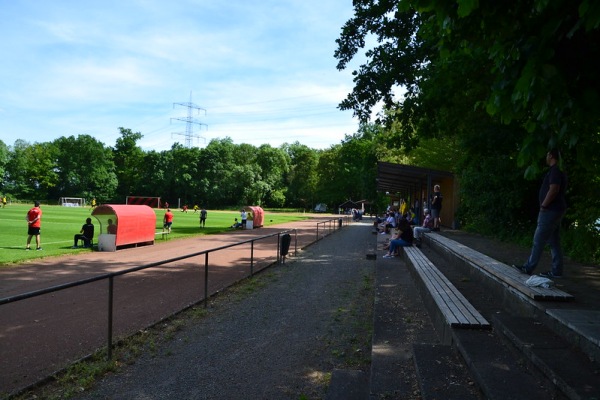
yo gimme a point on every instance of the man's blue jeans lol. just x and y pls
(547, 231)
(394, 244)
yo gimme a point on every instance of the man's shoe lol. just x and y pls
(388, 256)
(75, 247)
(39, 248)
(522, 269)
(550, 275)
(27, 248)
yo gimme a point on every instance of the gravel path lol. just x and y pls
(280, 338)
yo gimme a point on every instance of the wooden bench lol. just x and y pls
(164, 234)
(456, 309)
(506, 274)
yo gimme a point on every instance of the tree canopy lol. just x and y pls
(494, 85)
(529, 64)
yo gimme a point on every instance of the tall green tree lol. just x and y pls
(183, 174)
(274, 164)
(349, 171)
(532, 62)
(85, 169)
(218, 162)
(31, 170)
(155, 176)
(302, 177)
(128, 158)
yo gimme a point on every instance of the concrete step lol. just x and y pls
(572, 372)
(405, 345)
(500, 373)
(348, 385)
(441, 373)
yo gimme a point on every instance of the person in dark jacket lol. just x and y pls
(86, 234)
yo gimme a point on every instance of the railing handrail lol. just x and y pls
(52, 289)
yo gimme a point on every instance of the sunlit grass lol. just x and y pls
(60, 224)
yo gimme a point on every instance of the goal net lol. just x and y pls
(153, 202)
(71, 202)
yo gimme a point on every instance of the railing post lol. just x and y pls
(206, 280)
(278, 248)
(110, 317)
(295, 242)
(252, 258)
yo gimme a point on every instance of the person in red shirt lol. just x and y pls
(34, 224)
(168, 220)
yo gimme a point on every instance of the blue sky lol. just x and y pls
(263, 70)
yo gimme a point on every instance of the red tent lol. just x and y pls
(135, 224)
(258, 215)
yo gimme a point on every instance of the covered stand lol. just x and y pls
(256, 217)
(128, 225)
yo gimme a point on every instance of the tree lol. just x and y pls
(217, 163)
(182, 173)
(274, 167)
(532, 62)
(128, 159)
(349, 170)
(85, 168)
(155, 178)
(302, 177)
(31, 170)
(523, 71)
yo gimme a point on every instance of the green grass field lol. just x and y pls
(60, 224)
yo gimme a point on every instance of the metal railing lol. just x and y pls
(110, 277)
(330, 226)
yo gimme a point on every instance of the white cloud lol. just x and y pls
(264, 70)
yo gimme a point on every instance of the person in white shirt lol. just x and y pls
(244, 218)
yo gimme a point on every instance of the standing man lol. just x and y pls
(4, 201)
(244, 217)
(168, 220)
(436, 207)
(203, 214)
(34, 224)
(552, 209)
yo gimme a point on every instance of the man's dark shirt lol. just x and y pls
(437, 204)
(88, 231)
(554, 177)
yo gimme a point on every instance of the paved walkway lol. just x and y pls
(279, 342)
(41, 335)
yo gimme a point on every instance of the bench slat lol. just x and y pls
(457, 310)
(440, 288)
(501, 271)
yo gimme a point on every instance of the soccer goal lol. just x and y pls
(71, 201)
(153, 202)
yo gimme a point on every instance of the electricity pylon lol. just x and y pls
(190, 122)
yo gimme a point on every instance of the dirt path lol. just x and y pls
(41, 335)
